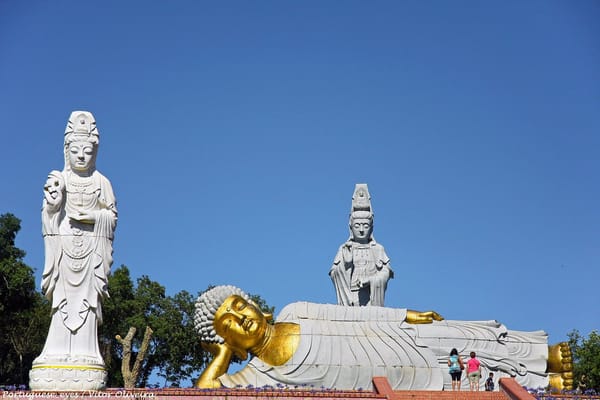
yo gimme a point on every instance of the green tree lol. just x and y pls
(132, 305)
(116, 309)
(24, 312)
(174, 352)
(178, 344)
(586, 358)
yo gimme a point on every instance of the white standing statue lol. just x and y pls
(361, 269)
(79, 217)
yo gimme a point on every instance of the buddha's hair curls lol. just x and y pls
(207, 305)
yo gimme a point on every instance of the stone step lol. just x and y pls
(446, 395)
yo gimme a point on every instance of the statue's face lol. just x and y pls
(81, 155)
(361, 229)
(240, 323)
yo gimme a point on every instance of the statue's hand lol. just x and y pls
(425, 317)
(53, 197)
(347, 254)
(216, 349)
(84, 216)
(218, 365)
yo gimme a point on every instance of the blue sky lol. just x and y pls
(234, 132)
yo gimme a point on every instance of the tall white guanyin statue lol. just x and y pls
(79, 217)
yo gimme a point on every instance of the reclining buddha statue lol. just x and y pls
(342, 347)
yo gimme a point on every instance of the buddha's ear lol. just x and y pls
(268, 316)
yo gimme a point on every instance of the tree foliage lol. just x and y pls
(24, 312)
(586, 357)
(132, 305)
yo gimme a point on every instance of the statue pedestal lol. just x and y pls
(67, 377)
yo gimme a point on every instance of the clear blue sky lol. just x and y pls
(233, 134)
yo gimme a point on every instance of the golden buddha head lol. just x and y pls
(240, 323)
(226, 314)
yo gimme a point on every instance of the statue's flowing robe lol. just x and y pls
(506, 353)
(345, 347)
(348, 277)
(78, 257)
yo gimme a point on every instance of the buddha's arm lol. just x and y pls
(218, 366)
(425, 317)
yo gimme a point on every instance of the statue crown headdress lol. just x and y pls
(361, 201)
(81, 125)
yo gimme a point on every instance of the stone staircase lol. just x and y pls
(437, 395)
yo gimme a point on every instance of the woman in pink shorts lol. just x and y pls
(474, 372)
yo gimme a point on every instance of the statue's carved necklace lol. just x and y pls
(78, 183)
(82, 192)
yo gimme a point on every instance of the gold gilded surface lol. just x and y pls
(240, 323)
(560, 366)
(422, 317)
(245, 329)
(280, 345)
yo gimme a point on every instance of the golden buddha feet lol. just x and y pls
(560, 366)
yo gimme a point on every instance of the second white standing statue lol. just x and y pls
(361, 269)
